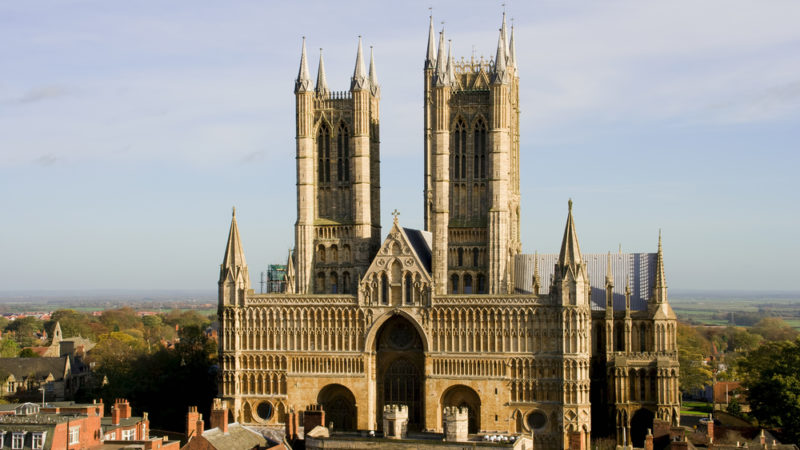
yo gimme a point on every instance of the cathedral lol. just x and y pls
(561, 347)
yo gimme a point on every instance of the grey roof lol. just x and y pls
(639, 268)
(421, 241)
(237, 437)
(39, 367)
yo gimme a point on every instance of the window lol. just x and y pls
(479, 163)
(37, 442)
(384, 289)
(17, 440)
(74, 435)
(460, 257)
(460, 151)
(128, 435)
(468, 284)
(343, 152)
(454, 283)
(346, 283)
(474, 257)
(409, 290)
(324, 154)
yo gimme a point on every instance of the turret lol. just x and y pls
(359, 80)
(430, 56)
(430, 63)
(360, 89)
(512, 52)
(304, 227)
(441, 170)
(571, 278)
(374, 88)
(234, 279)
(500, 75)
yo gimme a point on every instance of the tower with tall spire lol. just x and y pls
(471, 167)
(338, 178)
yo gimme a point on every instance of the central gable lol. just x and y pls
(399, 275)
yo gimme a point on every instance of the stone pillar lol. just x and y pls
(456, 423)
(395, 421)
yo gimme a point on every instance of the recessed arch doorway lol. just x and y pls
(463, 396)
(339, 405)
(399, 369)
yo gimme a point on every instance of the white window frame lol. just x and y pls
(17, 440)
(2, 438)
(39, 435)
(74, 435)
(129, 435)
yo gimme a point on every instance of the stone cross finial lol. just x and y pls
(395, 213)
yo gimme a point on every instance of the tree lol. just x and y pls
(28, 353)
(775, 329)
(8, 348)
(73, 323)
(25, 329)
(771, 376)
(693, 348)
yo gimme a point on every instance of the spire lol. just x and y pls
(360, 80)
(451, 75)
(441, 62)
(500, 71)
(234, 263)
(322, 82)
(57, 335)
(609, 274)
(430, 57)
(570, 255)
(503, 29)
(512, 51)
(373, 75)
(660, 285)
(303, 83)
(627, 296)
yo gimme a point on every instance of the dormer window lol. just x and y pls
(37, 439)
(17, 439)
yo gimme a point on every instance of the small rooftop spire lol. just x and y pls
(500, 69)
(609, 274)
(322, 81)
(512, 51)
(451, 74)
(430, 57)
(234, 263)
(303, 83)
(570, 255)
(360, 80)
(660, 285)
(373, 75)
(441, 62)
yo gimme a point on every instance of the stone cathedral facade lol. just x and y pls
(561, 346)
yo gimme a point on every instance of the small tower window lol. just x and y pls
(475, 257)
(460, 257)
(454, 281)
(481, 284)
(334, 283)
(409, 291)
(346, 282)
(384, 289)
(468, 284)
(459, 169)
(479, 161)
(324, 153)
(343, 152)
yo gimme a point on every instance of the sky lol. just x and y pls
(128, 130)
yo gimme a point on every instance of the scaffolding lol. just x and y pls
(276, 278)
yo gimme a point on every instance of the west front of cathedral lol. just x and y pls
(561, 347)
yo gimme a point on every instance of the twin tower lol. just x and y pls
(471, 182)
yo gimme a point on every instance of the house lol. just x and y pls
(24, 377)
(223, 435)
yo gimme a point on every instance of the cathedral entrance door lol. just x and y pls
(339, 405)
(399, 369)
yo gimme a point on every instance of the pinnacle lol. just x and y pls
(430, 57)
(441, 69)
(373, 74)
(303, 83)
(322, 81)
(360, 80)
(570, 254)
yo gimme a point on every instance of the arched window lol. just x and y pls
(642, 339)
(324, 153)
(460, 257)
(468, 284)
(343, 151)
(481, 284)
(346, 283)
(459, 169)
(321, 253)
(642, 391)
(454, 282)
(320, 282)
(479, 160)
(409, 290)
(384, 289)
(334, 253)
(334, 283)
(475, 257)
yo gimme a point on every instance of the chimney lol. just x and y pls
(219, 415)
(291, 425)
(710, 429)
(648, 440)
(762, 439)
(115, 413)
(123, 407)
(194, 422)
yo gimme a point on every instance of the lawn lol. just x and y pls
(695, 408)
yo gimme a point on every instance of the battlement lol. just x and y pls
(456, 413)
(402, 409)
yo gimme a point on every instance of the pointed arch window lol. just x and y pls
(343, 152)
(384, 289)
(324, 153)
(468, 284)
(481, 284)
(346, 283)
(459, 169)
(479, 160)
(460, 257)
(454, 282)
(409, 291)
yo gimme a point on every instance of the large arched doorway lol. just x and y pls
(399, 369)
(464, 396)
(339, 405)
(641, 421)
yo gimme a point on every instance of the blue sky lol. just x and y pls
(129, 129)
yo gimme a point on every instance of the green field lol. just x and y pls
(695, 408)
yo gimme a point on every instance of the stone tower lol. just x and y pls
(338, 179)
(472, 167)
